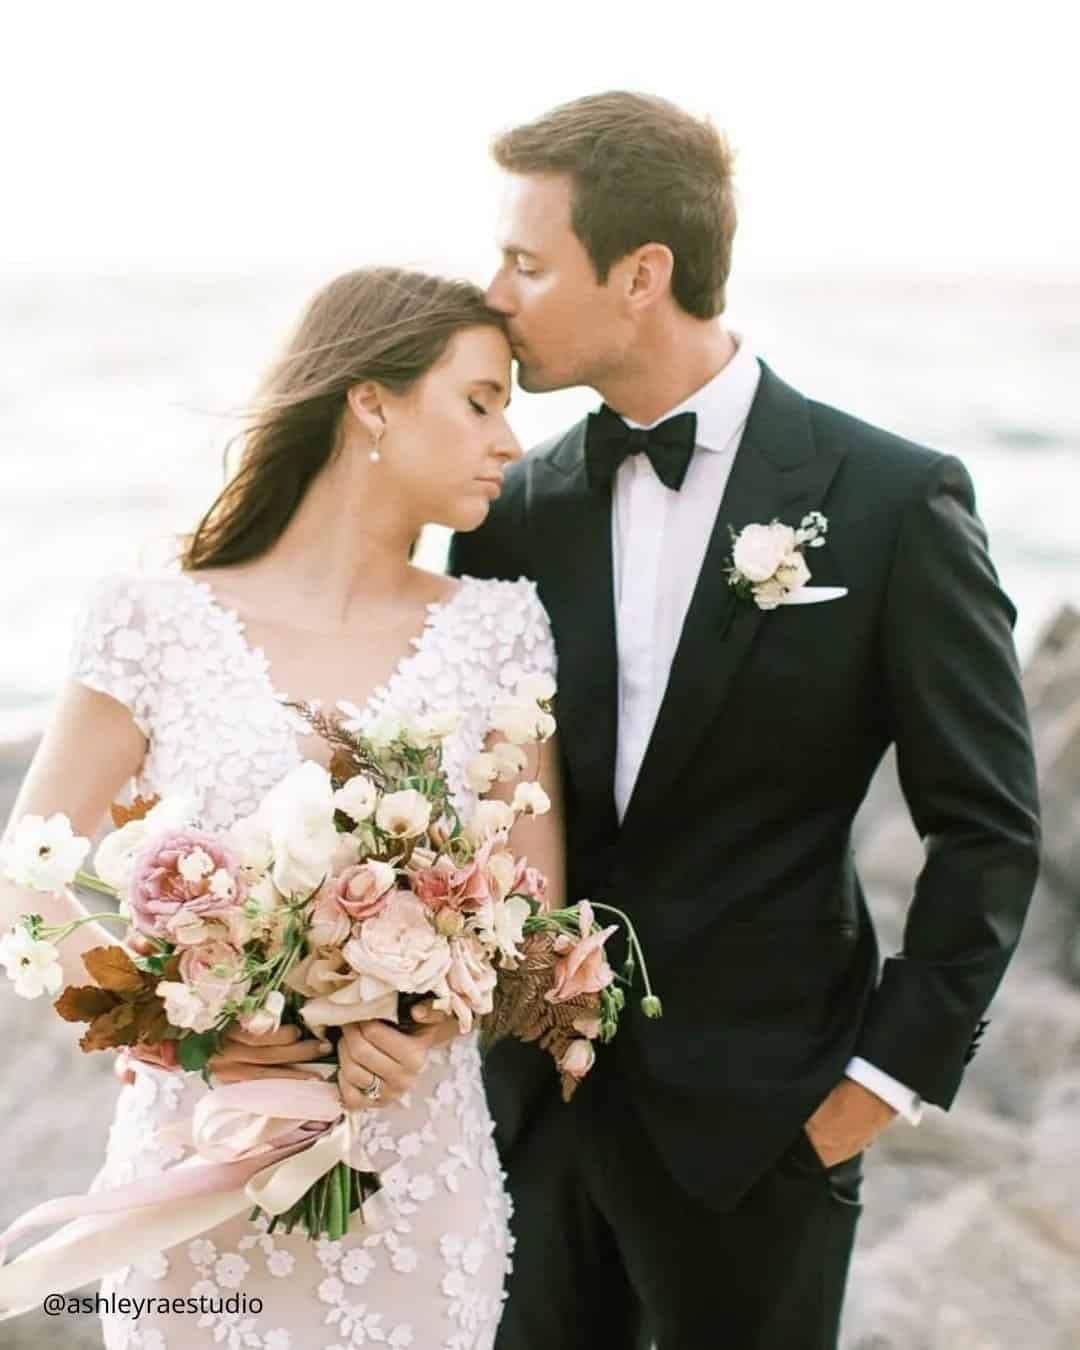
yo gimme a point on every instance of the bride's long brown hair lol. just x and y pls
(379, 324)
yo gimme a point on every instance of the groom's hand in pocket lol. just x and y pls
(848, 1121)
(369, 1050)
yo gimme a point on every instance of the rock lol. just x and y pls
(970, 1238)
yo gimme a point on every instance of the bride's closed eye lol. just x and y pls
(478, 408)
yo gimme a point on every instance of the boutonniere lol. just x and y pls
(767, 563)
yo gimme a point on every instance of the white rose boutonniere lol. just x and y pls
(767, 563)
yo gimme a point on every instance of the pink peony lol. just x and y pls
(584, 968)
(185, 870)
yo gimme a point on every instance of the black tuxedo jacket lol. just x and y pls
(734, 858)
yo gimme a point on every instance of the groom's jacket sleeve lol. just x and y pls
(966, 766)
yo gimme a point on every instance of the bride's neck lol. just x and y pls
(338, 557)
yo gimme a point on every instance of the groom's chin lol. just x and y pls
(534, 381)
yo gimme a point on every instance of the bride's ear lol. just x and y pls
(366, 407)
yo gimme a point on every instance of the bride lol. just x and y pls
(386, 411)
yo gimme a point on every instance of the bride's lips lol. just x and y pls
(496, 484)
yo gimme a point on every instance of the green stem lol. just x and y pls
(334, 1217)
(631, 934)
(345, 1182)
(93, 883)
(60, 932)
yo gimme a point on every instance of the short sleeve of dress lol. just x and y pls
(111, 649)
(524, 644)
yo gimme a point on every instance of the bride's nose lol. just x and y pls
(509, 450)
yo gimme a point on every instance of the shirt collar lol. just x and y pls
(723, 404)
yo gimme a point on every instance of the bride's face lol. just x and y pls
(447, 442)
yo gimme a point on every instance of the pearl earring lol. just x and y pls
(375, 456)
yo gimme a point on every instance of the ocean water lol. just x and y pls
(118, 395)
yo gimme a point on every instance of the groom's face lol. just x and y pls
(565, 328)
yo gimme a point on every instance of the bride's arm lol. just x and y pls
(91, 748)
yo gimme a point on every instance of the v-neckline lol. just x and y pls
(378, 696)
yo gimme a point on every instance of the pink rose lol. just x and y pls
(328, 923)
(183, 870)
(361, 890)
(214, 968)
(578, 1059)
(400, 947)
(584, 968)
(320, 973)
(211, 976)
(470, 982)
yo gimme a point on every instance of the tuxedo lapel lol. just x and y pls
(778, 473)
(575, 573)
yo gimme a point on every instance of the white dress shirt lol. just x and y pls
(659, 539)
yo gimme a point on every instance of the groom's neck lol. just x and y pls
(667, 364)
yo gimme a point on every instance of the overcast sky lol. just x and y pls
(226, 134)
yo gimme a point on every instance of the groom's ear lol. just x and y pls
(365, 404)
(649, 270)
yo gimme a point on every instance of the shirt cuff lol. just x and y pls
(909, 1104)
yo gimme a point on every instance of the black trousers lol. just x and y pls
(610, 1252)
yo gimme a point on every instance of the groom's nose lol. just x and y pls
(499, 294)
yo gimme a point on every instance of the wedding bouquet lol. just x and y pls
(350, 894)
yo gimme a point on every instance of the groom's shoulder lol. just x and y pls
(874, 453)
(547, 463)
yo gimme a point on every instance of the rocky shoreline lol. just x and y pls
(970, 1237)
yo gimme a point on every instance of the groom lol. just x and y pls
(702, 1188)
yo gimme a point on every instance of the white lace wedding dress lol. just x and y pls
(432, 1277)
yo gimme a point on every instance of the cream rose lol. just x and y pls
(399, 949)
(793, 572)
(760, 550)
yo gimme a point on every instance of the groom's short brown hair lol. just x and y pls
(644, 171)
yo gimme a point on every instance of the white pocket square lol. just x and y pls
(814, 595)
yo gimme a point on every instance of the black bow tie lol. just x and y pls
(608, 441)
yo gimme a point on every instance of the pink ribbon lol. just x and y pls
(243, 1136)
